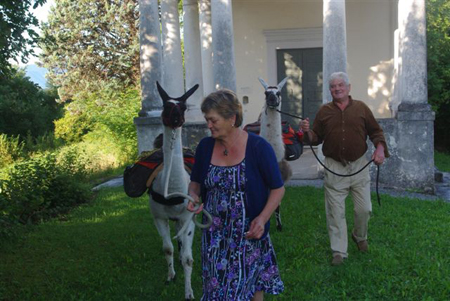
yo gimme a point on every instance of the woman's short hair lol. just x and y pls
(225, 103)
(339, 75)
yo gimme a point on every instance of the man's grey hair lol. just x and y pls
(339, 75)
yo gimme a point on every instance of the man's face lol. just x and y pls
(339, 90)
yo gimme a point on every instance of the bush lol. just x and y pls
(11, 149)
(43, 143)
(38, 188)
(114, 123)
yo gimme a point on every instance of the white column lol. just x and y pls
(150, 56)
(192, 59)
(206, 45)
(413, 51)
(223, 45)
(396, 82)
(334, 42)
(173, 81)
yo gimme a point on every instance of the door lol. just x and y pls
(302, 94)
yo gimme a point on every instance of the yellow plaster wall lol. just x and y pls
(370, 27)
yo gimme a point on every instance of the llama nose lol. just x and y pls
(272, 100)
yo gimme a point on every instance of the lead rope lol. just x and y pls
(183, 195)
(340, 175)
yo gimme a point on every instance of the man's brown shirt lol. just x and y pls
(344, 133)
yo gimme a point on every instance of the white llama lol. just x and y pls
(174, 180)
(271, 131)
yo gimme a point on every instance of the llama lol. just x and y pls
(271, 131)
(173, 181)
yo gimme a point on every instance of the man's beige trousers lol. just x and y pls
(336, 190)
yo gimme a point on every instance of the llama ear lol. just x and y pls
(189, 93)
(162, 93)
(282, 83)
(263, 83)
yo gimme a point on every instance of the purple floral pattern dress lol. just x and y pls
(234, 268)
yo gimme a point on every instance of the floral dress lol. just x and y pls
(233, 267)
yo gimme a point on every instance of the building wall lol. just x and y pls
(370, 27)
(370, 52)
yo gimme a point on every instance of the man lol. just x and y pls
(343, 126)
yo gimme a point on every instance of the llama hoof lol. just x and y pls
(169, 281)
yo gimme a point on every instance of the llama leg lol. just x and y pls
(178, 226)
(187, 259)
(278, 219)
(164, 230)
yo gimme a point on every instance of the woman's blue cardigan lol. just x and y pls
(261, 171)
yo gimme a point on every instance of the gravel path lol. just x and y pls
(442, 189)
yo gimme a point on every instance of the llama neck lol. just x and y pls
(271, 131)
(173, 151)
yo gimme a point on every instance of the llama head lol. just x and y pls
(273, 93)
(174, 108)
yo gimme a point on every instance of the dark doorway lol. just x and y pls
(302, 94)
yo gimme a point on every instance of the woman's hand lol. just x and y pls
(256, 230)
(194, 191)
(195, 206)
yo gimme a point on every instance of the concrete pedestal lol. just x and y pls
(148, 128)
(410, 139)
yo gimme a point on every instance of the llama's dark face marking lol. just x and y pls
(273, 93)
(273, 97)
(173, 113)
(174, 108)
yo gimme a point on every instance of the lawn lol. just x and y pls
(442, 161)
(110, 250)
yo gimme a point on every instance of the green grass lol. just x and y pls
(99, 177)
(110, 250)
(442, 161)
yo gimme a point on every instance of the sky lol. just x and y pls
(41, 14)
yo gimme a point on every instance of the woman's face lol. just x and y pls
(220, 127)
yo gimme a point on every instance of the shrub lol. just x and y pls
(43, 143)
(104, 114)
(38, 188)
(11, 149)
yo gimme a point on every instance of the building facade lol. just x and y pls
(230, 43)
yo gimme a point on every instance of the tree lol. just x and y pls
(438, 40)
(25, 108)
(17, 36)
(87, 44)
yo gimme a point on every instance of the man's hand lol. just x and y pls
(305, 125)
(378, 154)
(305, 128)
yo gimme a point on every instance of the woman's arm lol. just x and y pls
(257, 226)
(194, 192)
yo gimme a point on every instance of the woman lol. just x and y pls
(237, 177)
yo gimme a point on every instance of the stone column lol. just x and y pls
(223, 45)
(173, 81)
(150, 55)
(206, 46)
(334, 50)
(413, 160)
(395, 98)
(334, 42)
(192, 59)
(413, 51)
(148, 124)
